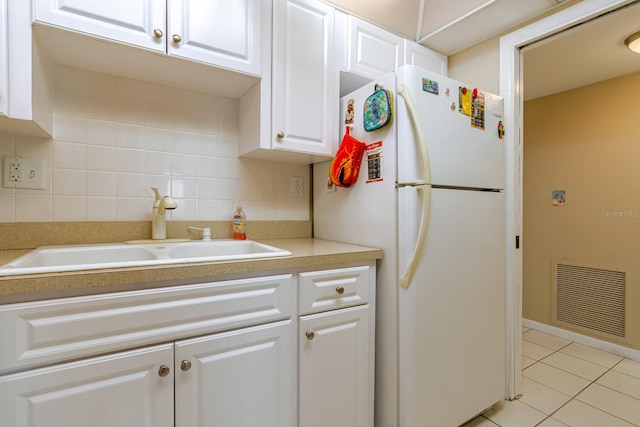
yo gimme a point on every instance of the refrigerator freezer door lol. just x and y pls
(451, 318)
(460, 155)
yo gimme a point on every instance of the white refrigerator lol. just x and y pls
(430, 194)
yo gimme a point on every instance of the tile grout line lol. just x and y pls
(582, 390)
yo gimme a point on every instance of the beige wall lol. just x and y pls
(585, 142)
(478, 66)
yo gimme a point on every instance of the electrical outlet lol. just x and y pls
(297, 189)
(330, 187)
(19, 172)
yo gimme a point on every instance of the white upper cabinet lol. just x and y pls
(415, 54)
(221, 32)
(365, 52)
(137, 22)
(291, 114)
(215, 32)
(25, 75)
(305, 80)
(370, 51)
(4, 71)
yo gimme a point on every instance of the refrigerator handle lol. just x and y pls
(405, 279)
(421, 140)
(423, 153)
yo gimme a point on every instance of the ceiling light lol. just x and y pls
(633, 42)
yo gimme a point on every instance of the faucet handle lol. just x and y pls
(206, 232)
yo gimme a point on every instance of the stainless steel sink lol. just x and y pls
(49, 259)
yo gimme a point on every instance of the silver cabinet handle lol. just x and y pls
(164, 371)
(185, 365)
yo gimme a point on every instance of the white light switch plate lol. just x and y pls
(18, 172)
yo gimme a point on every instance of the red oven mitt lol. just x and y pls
(346, 164)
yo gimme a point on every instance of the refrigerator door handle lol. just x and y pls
(421, 140)
(423, 153)
(405, 279)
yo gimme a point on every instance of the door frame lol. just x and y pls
(511, 84)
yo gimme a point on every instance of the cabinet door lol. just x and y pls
(305, 79)
(218, 32)
(335, 369)
(4, 67)
(415, 54)
(243, 378)
(123, 390)
(372, 52)
(127, 21)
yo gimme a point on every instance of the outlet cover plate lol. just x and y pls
(18, 172)
(297, 189)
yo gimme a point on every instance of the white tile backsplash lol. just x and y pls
(69, 208)
(7, 208)
(115, 137)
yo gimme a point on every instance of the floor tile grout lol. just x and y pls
(574, 397)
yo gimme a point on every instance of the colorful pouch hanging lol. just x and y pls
(345, 166)
(378, 109)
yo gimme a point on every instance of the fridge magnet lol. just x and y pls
(558, 197)
(345, 166)
(477, 110)
(500, 130)
(464, 100)
(430, 86)
(378, 109)
(348, 117)
(374, 162)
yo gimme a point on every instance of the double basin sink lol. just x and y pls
(49, 259)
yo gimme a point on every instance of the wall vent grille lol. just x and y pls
(591, 299)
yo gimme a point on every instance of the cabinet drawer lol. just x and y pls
(52, 331)
(331, 289)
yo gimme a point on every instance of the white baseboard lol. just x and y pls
(609, 347)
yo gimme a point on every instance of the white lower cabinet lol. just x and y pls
(334, 370)
(336, 336)
(124, 389)
(237, 379)
(221, 354)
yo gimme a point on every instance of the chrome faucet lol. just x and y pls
(158, 223)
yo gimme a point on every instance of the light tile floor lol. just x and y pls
(568, 384)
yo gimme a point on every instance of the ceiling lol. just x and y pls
(448, 26)
(586, 54)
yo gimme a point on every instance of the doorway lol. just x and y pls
(512, 47)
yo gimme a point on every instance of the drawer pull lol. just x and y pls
(310, 335)
(185, 365)
(340, 290)
(164, 371)
(157, 33)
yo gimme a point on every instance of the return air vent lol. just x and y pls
(591, 299)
